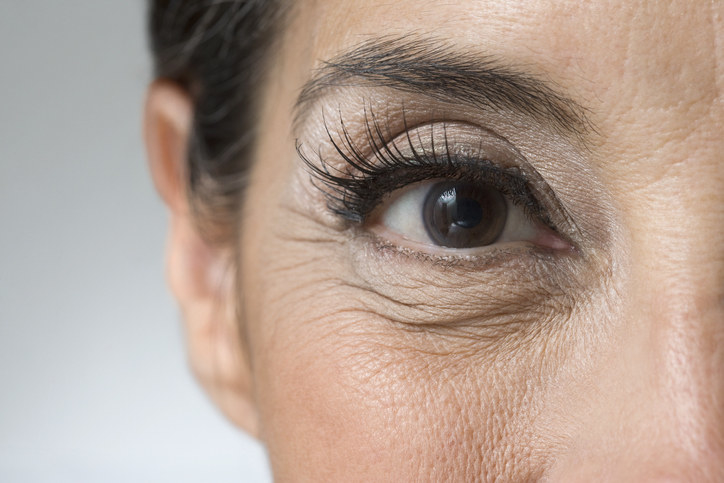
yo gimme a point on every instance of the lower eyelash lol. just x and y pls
(355, 192)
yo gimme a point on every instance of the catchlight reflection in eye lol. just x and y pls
(459, 215)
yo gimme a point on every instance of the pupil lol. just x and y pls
(468, 212)
(459, 214)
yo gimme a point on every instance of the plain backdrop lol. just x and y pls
(94, 384)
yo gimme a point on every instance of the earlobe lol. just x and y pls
(202, 278)
(200, 274)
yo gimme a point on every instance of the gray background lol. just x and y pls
(93, 379)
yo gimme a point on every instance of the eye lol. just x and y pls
(459, 214)
(439, 187)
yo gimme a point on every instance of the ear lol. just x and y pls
(200, 274)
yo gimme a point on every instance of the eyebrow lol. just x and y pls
(434, 68)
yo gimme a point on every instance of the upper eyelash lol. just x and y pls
(355, 194)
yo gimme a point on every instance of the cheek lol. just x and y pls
(343, 392)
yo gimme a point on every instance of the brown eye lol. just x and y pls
(449, 215)
(459, 214)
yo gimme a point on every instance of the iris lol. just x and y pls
(459, 214)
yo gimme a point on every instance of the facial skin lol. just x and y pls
(366, 355)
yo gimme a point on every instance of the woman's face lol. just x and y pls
(485, 240)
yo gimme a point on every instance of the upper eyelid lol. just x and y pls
(370, 145)
(366, 162)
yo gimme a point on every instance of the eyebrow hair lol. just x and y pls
(436, 69)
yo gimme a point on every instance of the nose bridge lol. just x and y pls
(677, 292)
(687, 332)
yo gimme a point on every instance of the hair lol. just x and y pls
(217, 51)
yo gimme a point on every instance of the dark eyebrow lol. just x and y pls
(436, 69)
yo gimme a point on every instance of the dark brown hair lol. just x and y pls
(218, 52)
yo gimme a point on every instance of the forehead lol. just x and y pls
(673, 49)
(643, 70)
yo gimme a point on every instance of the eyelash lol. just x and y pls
(354, 194)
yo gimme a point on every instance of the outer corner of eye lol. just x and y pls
(461, 215)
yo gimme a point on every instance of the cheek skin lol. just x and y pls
(346, 392)
(348, 395)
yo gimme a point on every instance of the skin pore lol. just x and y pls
(589, 346)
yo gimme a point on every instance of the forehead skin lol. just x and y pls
(629, 388)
